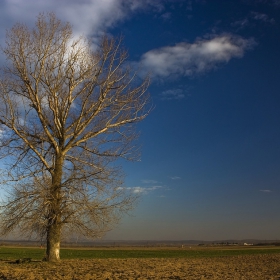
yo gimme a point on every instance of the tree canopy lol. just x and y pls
(67, 114)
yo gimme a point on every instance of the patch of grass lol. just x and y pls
(21, 252)
(73, 253)
(164, 253)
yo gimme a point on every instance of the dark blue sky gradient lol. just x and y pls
(222, 139)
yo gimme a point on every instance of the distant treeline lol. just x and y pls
(219, 244)
(268, 244)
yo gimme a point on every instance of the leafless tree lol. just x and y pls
(67, 115)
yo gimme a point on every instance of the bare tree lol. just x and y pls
(67, 113)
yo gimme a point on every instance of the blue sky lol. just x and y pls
(211, 147)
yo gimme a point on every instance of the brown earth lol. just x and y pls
(257, 267)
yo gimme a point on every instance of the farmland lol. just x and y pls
(144, 263)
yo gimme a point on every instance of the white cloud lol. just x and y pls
(138, 190)
(142, 190)
(88, 17)
(266, 191)
(94, 17)
(172, 94)
(186, 59)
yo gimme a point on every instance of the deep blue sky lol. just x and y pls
(211, 146)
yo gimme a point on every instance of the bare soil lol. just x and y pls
(257, 267)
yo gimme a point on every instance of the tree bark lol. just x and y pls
(54, 219)
(53, 243)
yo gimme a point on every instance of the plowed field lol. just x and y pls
(257, 267)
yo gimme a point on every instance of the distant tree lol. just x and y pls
(67, 110)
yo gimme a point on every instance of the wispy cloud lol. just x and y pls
(275, 3)
(241, 23)
(186, 59)
(149, 181)
(175, 178)
(173, 94)
(166, 16)
(88, 17)
(266, 191)
(142, 190)
(189, 5)
(251, 18)
(262, 17)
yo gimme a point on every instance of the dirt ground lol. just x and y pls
(257, 267)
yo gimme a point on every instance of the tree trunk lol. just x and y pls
(53, 243)
(54, 218)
